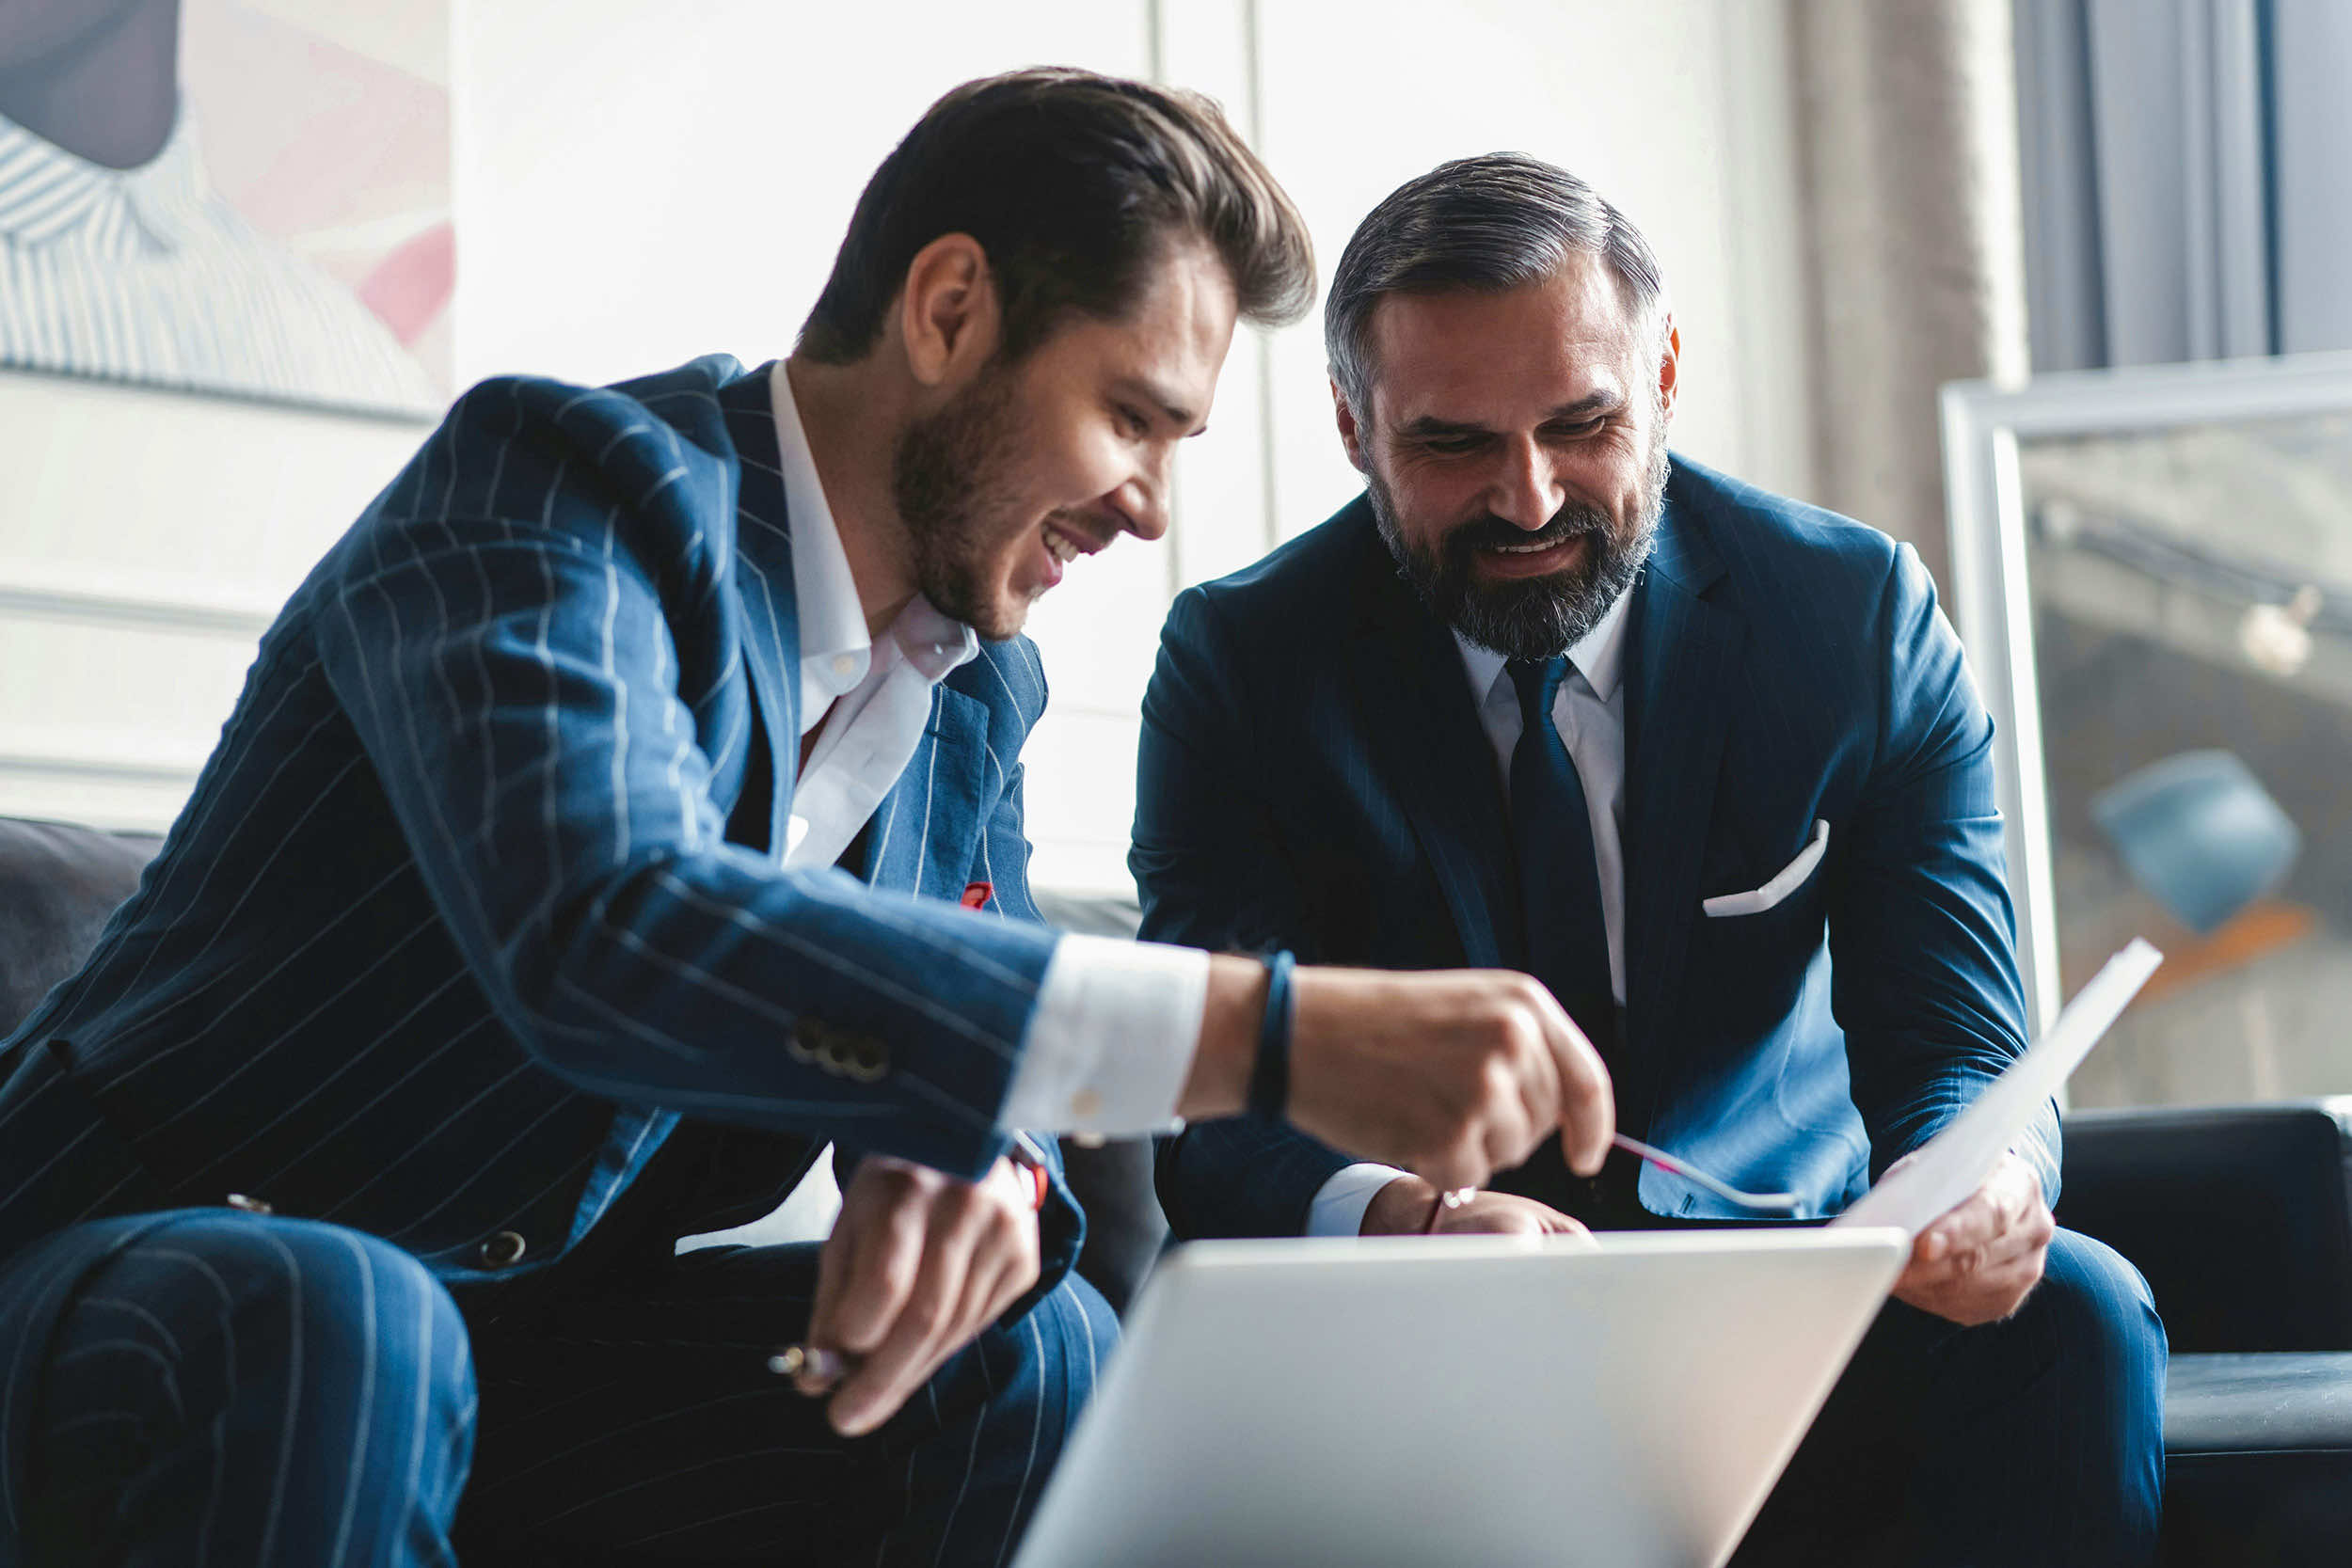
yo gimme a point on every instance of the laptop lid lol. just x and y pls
(1496, 1401)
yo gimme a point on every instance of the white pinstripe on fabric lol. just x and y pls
(291, 1425)
(170, 1384)
(228, 1379)
(971, 1458)
(1036, 1427)
(356, 1472)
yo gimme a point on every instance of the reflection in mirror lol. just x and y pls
(2191, 592)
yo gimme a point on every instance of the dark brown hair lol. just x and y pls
(1074, 186)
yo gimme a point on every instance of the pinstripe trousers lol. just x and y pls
(219, 1387)
(188, 1386)
(232, 1389)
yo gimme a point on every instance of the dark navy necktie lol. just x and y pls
(1567, 940)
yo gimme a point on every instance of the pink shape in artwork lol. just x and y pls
(411, 286)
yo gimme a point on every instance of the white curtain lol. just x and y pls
(2187, 178)
(1907, 119)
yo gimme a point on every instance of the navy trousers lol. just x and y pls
(643, 1419)
(223, 1387)
(2037, 1442)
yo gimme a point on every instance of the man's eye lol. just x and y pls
(1132, 422)
(1581, 427)
(1454, 445)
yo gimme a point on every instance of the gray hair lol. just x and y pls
(1500, 221)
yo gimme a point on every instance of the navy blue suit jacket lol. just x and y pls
(478, 905)
(1314, 776)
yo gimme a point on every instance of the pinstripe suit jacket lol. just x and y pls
(476, 898)
(1314, 776)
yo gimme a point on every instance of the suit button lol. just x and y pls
(504, 1250)
(869, 1062)
(1085, 1104)
(247, 1205)
(823, 1043)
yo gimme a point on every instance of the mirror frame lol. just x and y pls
(1992, 605)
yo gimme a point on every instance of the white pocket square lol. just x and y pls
(1791, 878)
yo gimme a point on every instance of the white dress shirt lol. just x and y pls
(147, 274)
(1589, 713)
(1111, 1039)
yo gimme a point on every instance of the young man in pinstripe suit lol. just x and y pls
(585, 855)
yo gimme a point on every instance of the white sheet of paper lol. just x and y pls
(1955, 1162)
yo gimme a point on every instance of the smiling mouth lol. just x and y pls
(1536, 557)
(1066, 546)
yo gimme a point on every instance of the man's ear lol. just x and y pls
(1668, 355)
(947, 310)
(1351, 433)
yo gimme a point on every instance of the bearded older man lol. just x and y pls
(1550, 698)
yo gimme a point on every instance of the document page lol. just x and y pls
(1955, 1162)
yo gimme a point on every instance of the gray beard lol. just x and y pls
(1541, 616)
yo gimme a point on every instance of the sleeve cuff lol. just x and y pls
(1111, 1041)
(1338, 1206)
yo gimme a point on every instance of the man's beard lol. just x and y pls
(950, 480)
(1533, 617)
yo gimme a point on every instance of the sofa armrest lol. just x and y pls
(2238, 1215)
(57, 885)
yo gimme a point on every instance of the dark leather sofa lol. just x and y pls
(2240, 1217)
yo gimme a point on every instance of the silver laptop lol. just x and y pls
(1460, 1400)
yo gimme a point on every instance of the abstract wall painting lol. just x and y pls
(249, 196)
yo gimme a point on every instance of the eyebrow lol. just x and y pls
(1602, 402)
(1160, 398)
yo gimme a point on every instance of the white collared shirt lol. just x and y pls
(148, 275)
(1112, 1037)
(872, 702)
(1589, 713)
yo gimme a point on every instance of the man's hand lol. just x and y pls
(1404, 1206)
(1452, 1075)
(917, 1264)
(1979, 1262)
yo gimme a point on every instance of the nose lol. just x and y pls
(1143, 499)
(1525, 492)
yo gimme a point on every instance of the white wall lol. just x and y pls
(638, 183)
(147, 538)
(1675, 110)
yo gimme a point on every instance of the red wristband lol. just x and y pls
(1029, 1161)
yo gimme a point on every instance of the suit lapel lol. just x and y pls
(1414, 700)
(1684, 655)
(927, 826)
(771, 614)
